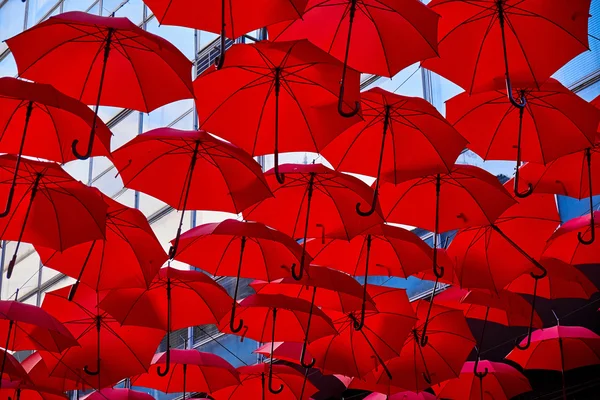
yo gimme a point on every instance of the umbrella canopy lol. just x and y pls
(286, 351)
(565, 244)
(11, 368)
(401, 396)
(38, 373)
(22, 391)
(117, 394)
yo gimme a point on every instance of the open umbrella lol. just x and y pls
(415, 140)
(40, 377)
(553, 122)
(190, 170)
(19, 390)
(376, 24)
(137, 69)
(402, 396)
(565, 244)
(130, 256)
(286, 351)
(11, 369)
(166, 303)
(117, 394)
(52, 209)
(49, 119)
(282, 95)
(314, 201)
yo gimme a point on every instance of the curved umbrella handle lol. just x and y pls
(235, 329)
(588, 156)
(270, 385)
(303, 352)
(163, 373)
(370, 211)
(359, 325)
(279, 176)
(298, 275)
(221, 58)
(591, 239)
(530, 328)
(341, 111)
(232, 326)
(87, 370)
(480, 375)
(343, 82)
(88, 151)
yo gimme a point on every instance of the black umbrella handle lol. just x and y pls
(10, 325)
(478, 374)
(86, 369)
(221, 58)
(501, 19)
(75, 286)
(385, 368)
(303, 352)
(359, 325)
(163, 373)
(280, 389)
(530, 328)
(277, 89)
(587, 242)
(426, 375)
(232, 326)
(438, 271)
(343, 82)
(298, 275)
(529, 189)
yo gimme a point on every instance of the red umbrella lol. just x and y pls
(118, 351)
(286, 351)
(565, 244)
(138, 70)
(39, 374)
(11, 368)
(573, 175)
(369, 384)
(130, 256)
(393, 251)
(401, 396)
(191, 170)
(192, 371)
(552, 122)
(377, 25)
(314, 201)
(288, 87)
(65, 213)
(52, 121)
(559, 348)
(420, 141)
(166, 303)
(502, 383)
(253, 381)
(476, 51)
(117, 394)
(295, 315)
(23, 391)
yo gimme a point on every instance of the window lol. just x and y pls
(38, 10)
(12, 18)
(182, 38)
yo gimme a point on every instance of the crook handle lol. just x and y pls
(164, 372)
(341, 111)
(343, 83)
(232, 326)
(370, 211)
(270, 385)
(90, 372)
(279, 176)
(590, 240)
(480, 375)
(303, 352)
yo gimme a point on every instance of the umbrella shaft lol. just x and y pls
(10, 325)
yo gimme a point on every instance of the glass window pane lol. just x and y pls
(126, 197)
(408, 82)
(78, 169)
(110, 183)
(125, 130)
(182, 38)
(132, 9)
(38, 9)
(8, 66)
(150, 205)
(12, 18)
(165, 115)
(25, 273)
(77, 5)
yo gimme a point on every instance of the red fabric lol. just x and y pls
(349, 353)
(449, 344)
(555, 122)
(124, 350)
(580, 348)
(469, 196)
(117, 394)
(286, 351)
(401, 396)
(215, 247)
(237, 102)
(64, 212)
(374, 45)
(506, 308)
(256, 311)
(503, 382)
(254, 381)
(9, 389)
(130, 256)
(564, 244)
(335, 290)
(484, 259)
(562, 282)
(143, 71)
(224, 179)
(539, 40)
(394, 252)
(190, 290)
(204, 372)
(39, 375)
(370, 385)
(333, 204)
(56, 120)
(33, 328)
(419, 141)
(240, 16)
(449, 274)
(12, 369)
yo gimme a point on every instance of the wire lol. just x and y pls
(407, 79)
(222, 345)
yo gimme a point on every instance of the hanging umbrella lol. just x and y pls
(39, 375)
(565, 244)
(130, 256)
(368, 383)
(297, 316)
(559, 348)
(192, 371)
(49, 119)
(377, 24)
(481, 45)
(166, 303)
(64, 214)
(391, 250)
(190, 170)
(401, 396)
(288, 87)
(420, 141)
(228, 18)
(286, 351)
(118, 351)
(574, 175)
(117, 394)
(15, 390)
(314, 201)
(356, 353)
(11, 369)
(553, 122)
(447, 263)
(254, 381)
(502, 383)
(137, 70)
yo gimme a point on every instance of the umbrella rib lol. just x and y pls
(474, 18)
(509, 110)
(511, 27)
(216, 164)
(337, 29)
(338, 211)
(58, 138)
(500, 97)
(260, 116)
(485, 36)
(372, 122)
(137, 77)
(288, 89)
(22, 103)
(367, 13)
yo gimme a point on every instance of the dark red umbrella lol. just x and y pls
(415, 140)
(502, 383)
(286, 351)
(566, 243)
(552, 122)
(288, 87)
(130, 256)
(314, 201)
(481, 45)
(117, 394)
(190, 170)
(11, 368)
(118, 351)
(377, 24)
(23, 391)
(49, 119)
(52, 209)
(40, 377)
(192, 371)
(166, 303)
(137, 69)
(402, 396)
